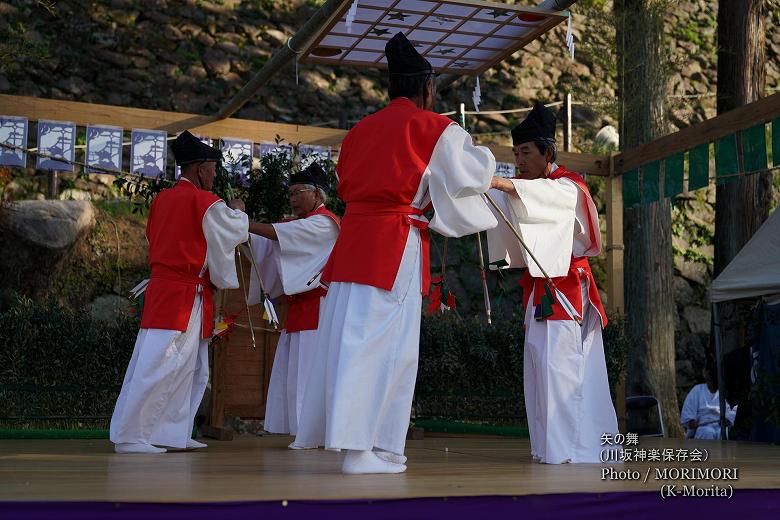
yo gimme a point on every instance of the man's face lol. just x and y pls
(302, 199)
(207, 171)
(530, 162)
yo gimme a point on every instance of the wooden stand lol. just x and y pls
(241, 373)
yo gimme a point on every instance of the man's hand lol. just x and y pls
(502, 184)
(237, 204)
(693, 424)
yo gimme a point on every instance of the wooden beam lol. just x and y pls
(83, 114)
(707, 131)
(615, 248)
(579, 162)
(615, 271)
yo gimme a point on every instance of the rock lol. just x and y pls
(231, 37)
(184, 83)
(172, 32)
(216, 62)
(74, 85)
(531, 62)
(109, 307)
(250, 30)
(124, 17)
(580, 69)
(50, 224)
(607, 138)
(205, 40)
(190, 29)
(232, 79)
(229, 47)
(315, 79)
(532, 84)
(74, 194)
(197, 72)
(211, 25)
(683, 292)
(681, 242)
(496, 119)
(279, 108)
(115, 58)
(275, 37)
(701, 214)
(36, 237)
(13, 191)
(119, 99)
(693, 68)
(692, 271)
(254, 51)
(585, 116)
(166, 70)
(698, 319)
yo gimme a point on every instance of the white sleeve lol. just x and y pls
(224, 229)
(690, 409)
(585, 218)
(460, 173)
(265, 256)
(504, 251)
(543, 212)
(304, 247)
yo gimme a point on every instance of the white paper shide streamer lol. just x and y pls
(351, 15)
(570, 39)
(270, 311)
(476, 97)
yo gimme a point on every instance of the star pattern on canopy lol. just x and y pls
(456, 36)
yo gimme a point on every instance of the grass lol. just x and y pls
(119, 208)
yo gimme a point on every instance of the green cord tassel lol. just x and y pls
(545, 304)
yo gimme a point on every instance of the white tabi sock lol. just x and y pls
(364, 462)
(294, 446)
(194, 445)
(390, 456)
(137, 447)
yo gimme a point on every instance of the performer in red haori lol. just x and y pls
(192, 236)
(290, 256)
(393, 166)
(565, 375)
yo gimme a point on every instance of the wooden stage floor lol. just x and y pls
(261, 468)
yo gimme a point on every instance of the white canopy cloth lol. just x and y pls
(755, 271)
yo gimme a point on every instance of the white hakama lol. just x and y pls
(565, 381)
(359, 395)
(286, 266)
(566, 388)
(169, 369)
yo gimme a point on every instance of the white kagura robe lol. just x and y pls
(286, 266)
(565, 382)
(704, 407)
(169, 369)
(361, 386)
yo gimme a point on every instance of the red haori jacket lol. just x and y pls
(579, 269)
(380, 167)
(177, 254)
(303, 312)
